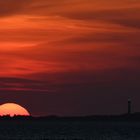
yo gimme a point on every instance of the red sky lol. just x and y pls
(84, 53)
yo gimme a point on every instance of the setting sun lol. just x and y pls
(13, 109)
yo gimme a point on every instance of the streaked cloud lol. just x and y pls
(67, 47)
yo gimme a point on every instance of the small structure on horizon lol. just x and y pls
(129, 106)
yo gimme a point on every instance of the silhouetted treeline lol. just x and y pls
(124, 117)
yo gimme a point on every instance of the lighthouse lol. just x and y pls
(129, 106)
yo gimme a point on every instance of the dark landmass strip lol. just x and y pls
(124, 117)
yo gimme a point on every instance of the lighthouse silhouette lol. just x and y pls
(129, 106)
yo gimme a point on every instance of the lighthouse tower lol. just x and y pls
(129, 106)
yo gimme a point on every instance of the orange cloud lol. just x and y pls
(55, 37)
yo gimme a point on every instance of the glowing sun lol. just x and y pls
(13, 109)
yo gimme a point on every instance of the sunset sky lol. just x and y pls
(70, 57)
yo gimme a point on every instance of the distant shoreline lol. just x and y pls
(123, 117)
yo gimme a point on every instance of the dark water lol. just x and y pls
(55, 130)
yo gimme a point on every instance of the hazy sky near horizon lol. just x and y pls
(70, 57)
